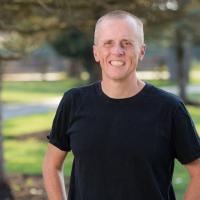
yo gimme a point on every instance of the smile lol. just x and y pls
(117, 63)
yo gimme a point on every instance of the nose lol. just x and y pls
(118, 50)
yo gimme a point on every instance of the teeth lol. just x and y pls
(117, 63)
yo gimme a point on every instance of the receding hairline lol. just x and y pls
(120, 14)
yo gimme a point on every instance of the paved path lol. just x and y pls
(14, 110)
(190, 89)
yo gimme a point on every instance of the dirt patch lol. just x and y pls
(42, 136)
(25, 187)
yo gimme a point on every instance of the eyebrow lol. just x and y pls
(124, 39)
(130, 40)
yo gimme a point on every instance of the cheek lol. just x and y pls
(132, 55)
(103, 55)
(135, 53)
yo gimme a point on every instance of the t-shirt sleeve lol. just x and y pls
(58, 135)
(185, 138)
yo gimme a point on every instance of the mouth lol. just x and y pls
(117, 63)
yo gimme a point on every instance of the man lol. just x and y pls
(124, 133)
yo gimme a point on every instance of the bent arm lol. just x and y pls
(53, 173)
(193, 189)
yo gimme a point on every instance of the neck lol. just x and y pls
(122, 89)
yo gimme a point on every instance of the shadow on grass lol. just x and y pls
(41, 136)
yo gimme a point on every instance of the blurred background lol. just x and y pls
(46, 49)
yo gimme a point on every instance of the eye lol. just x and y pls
(126, 43)
(108, 43)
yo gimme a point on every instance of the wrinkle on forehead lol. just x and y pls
(107, 22)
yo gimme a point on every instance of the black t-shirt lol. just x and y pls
(124, 149)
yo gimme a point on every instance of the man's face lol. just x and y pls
(117, 48)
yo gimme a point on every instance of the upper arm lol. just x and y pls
(194, 168)
(54, 157)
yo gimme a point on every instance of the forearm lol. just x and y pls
(54, 184)
(193, 189)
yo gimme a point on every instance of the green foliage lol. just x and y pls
(73, 43)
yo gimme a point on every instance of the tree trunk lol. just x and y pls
(2, 174)
(5, 190)
(181, 72)
(183, 65)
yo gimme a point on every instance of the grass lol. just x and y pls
(25, 156)
(180, 180)
(26, 92)
(41, 122)
(161, 83)
(195, 96)
(195, 73)
(33, 91)
(29, 156)
(27, 124)
(195, 114)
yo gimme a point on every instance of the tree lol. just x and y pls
(76, 45)
(186, 32)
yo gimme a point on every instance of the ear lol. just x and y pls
(95, 53)
(142, 52)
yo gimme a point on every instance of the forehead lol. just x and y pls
(111, 28)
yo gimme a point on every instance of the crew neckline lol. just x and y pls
(126, 99)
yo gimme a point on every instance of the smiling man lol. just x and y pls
(124, 133)
(119, 45)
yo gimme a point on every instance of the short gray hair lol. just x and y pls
(121, 14)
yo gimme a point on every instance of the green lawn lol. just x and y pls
(34, 91)
(27, 159)
(25, 156)
(27, 124)
(180, 180)
(195, 73)
(161, 83)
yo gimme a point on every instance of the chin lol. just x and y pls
(116, 78)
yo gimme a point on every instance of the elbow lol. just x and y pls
(49, 166)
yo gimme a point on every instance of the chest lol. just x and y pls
(118, 130)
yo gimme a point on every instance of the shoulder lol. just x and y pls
(163, 97)
(80, 90)
(78, 94)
